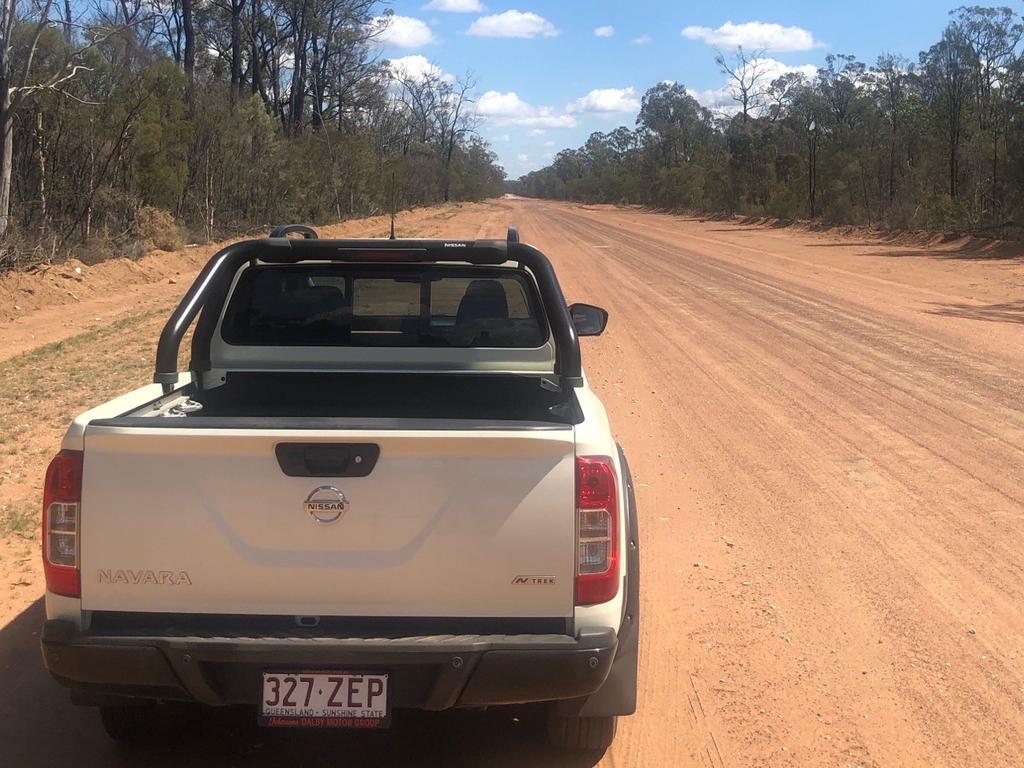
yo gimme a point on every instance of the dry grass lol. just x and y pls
(19, 519)
(48, 385)
(156, 228)
(43, 390)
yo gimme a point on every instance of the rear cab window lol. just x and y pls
(345, 305)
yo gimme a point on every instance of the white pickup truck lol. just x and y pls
(382, 483)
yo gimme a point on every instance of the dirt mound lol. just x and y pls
(46, 285)
(50, 302)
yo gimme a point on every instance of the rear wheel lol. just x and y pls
(581, 733)
(142, 723)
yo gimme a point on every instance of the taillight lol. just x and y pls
(62, 500)
(597, 530)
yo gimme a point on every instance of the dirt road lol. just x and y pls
(828, 441)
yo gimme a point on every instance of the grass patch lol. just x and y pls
(100, 356)
(40, 387)
(46, 351)
(41, 390)
(19, 519)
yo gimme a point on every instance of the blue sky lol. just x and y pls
(550, 73)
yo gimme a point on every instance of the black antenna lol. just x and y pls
(394, 195)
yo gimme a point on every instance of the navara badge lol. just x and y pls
(326, 504)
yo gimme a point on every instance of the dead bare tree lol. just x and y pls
(747, 78)
(420, 94)
(454, 122)
(17, 84)
(8, 17)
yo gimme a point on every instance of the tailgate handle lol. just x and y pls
(327, 459)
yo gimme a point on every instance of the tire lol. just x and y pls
(141, 723)
(590, 734)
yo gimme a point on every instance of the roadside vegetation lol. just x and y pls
(933, 144)
(18, 519)
(128, 126)
(34, 414)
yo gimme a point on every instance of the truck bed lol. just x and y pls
(489, 397)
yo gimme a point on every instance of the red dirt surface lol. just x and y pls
(827, 437)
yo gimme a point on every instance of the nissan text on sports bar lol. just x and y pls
(381, 483)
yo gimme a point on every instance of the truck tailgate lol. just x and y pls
(447, 523)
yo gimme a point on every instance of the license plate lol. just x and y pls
(325, 700)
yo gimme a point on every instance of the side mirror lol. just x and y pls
(588, 319)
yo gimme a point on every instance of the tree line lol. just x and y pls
(138, 119)
(936, 143)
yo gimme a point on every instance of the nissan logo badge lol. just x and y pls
(326, 504)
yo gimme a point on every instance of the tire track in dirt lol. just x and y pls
(851, 408)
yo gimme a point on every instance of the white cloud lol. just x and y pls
(641, 40)
(509, 109)
(455, 6)
(402, 31)
(606, 31)
(774, 68)
(512, 24)
(716, 99)
(607, 100)
(503, 137)
(549, 143)
(497, 104)
(416, 67)
(721, 100)
(536, 132)
(754, 35)
(546, 117)
(523, 158)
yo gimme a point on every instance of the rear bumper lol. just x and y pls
(433, 672)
